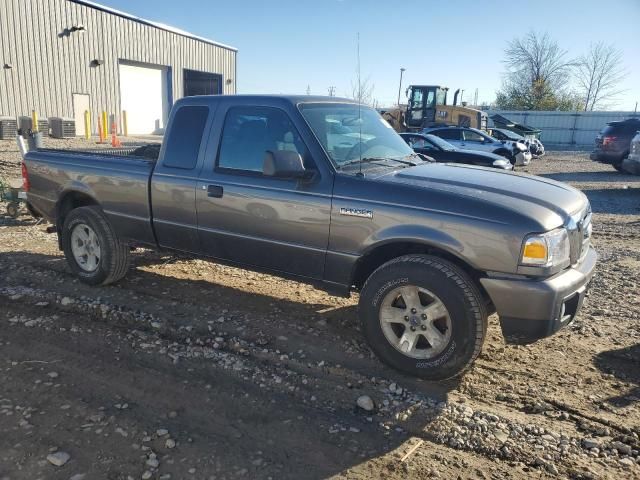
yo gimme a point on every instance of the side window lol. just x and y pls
(471, 136)
(249, 132)
(448, 134)
(183, 142)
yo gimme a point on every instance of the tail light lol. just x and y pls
(26, 185)
(608, 140)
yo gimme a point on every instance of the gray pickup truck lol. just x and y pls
(322, 190)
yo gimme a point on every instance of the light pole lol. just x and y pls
(400, 87)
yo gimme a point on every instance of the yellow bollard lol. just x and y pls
(87, 124)
(105, 125)
(34, 121)
(125, 126)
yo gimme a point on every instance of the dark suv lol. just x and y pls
(612, 143)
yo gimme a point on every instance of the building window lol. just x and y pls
(201, 83)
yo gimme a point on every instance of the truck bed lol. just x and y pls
(119, 183)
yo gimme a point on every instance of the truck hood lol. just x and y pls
(548, 202)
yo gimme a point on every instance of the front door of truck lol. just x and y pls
(243, 216)
(173, 185)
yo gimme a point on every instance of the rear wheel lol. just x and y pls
(93, 251)
(13, 209)
(423, 315)
(618, 165)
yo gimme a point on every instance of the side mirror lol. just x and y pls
(284, 164)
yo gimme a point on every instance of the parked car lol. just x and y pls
(631, 164)
(613, 142)
(535, 146)
(442, 151)
(259, 181)
(474, 139)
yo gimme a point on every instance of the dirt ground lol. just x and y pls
(190, 370)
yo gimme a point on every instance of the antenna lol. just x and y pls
(359, 108)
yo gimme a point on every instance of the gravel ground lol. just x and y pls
(187, 369)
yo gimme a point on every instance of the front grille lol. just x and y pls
(580, 235)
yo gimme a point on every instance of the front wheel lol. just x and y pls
(424, 316)
(93, 251)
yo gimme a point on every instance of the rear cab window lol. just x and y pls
(185, 137)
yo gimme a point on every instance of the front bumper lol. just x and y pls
(523, 158)
(531, 309)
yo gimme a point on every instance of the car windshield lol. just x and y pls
(348, 132)
(439, 142)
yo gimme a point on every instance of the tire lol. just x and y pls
(618, 165)
(13, 209)
(435, 278)
(112, 261)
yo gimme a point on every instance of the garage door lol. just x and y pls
(144, 96)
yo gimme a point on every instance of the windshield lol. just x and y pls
(348, 135)
(439, 142)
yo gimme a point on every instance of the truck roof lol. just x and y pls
(293, 99)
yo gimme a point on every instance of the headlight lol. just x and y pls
(500, 163)
(550, 249)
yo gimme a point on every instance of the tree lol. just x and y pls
(537, 69)
(362, 91)
(537, 58)
(598, 73)
(539, 96)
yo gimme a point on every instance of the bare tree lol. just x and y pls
(599, 73)
(537, 58)
(362, 90)
(536, 77)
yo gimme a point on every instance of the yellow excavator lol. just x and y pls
(427, 107)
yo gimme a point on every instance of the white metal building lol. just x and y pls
(62, 57)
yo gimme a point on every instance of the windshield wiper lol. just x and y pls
(356, 161)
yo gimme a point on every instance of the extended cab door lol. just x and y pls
(246, 217)
(175, 177)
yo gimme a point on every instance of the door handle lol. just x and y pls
(214, 191)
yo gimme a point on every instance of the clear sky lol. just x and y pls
(286, 46)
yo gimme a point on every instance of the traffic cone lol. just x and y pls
(114, 136)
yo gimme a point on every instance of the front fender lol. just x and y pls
(418, 234)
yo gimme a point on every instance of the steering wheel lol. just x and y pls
(368, 144)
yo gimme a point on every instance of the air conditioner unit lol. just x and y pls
(62, 127)
(24, 124)
(8, 128)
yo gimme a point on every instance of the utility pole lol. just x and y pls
(475, 99)
(332, 91)
(308, 89)
(402, 70)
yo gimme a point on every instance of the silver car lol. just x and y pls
(473, 139)
(631, 164)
